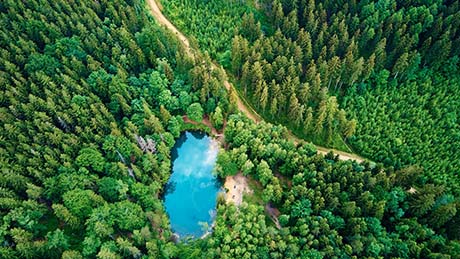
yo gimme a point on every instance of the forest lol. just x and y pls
(94, 95)
(329, 208)
(379, 78)
(92, 98)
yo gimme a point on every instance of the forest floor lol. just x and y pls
(243, 106)
(236, 186)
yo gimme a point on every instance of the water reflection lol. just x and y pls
(191, 192)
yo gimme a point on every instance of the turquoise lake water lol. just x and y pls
(191, 192)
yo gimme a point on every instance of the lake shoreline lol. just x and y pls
(190, 198)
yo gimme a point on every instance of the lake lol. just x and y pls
(192, 189)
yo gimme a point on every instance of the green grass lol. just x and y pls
(256, 196)
(337, 141)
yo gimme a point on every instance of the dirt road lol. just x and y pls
(246, 109)
(156, 12)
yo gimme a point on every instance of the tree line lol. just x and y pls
(380, 74)
(328, 208)
(92, 95)
(318, 49)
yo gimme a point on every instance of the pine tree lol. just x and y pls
(308, 120)
(368, 68)
(334, 66)
(295, 112)
(349, 128)
(442, 214)
(250, 29)
(401, 65)
(304, 41)
(322, 113)
(380, 54)
(246, 77)
(257, 78)
(304, 93)
(357, 70)
(264, 97)
(278, 14)
(239, 53)
(233, 100)
(332, 111)
(274, 107)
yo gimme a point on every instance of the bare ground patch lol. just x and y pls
(236, 186)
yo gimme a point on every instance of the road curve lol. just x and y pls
(248, 111)
(156, 12)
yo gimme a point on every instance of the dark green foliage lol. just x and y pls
(195, 112)
(92, 95)
(111, 189)
(195, 17)
(57, 242)
(331, 208)
(88, 94)
(423, 116)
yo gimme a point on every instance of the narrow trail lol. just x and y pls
(246, 109)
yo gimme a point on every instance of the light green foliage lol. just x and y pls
(128, 215)
(263, 172)
(64, 215)
(225, 165)
(91, 158)
(71, 254)
(78, 82)
(81, 202)
(247, 167)
(224, 15)
(422, 114)
(195, 112)
(218, 118)
(175, 125)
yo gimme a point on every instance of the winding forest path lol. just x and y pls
(156, 12)
(242, 106)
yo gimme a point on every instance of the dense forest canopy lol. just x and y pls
(329, 208)
(224, 15)
(423, 114)
(92, 98)
(93, 95)
(383, 75)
